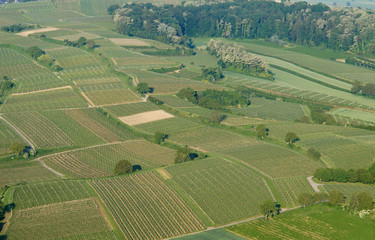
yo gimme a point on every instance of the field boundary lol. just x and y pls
(44, 90)
(18, 132)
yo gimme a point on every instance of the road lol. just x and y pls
(19, 133)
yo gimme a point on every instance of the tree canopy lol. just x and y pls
(335, 197)
(17, 148)
(143, 87)
(361, 201)
(35, 52)
(261, 131)
(122, 167)
(269, 208)
(291, 137)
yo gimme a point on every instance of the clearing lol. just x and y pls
(145, 117)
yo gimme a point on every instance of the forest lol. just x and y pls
(302, 23)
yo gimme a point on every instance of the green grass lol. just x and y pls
(290, 189)
(275, 161)
(355, 114)
(174, 101)
(226, 192)
(130, 109)
(274, 110)
(348, 189)
(316, 222)
(15, 172)
(218, 234)
(69, 220)
(150, 209)
(8, 136)
(101, 160)
(37, 194)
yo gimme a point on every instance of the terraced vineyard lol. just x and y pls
(290, 189)
(225, 191)
(37, 194)
(8, 136)
(79, 219)
(150, 209)
(101, 160)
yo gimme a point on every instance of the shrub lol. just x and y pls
(122, 167)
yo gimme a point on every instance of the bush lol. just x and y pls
(143, 87)
(313, 153)
(46, 60)
(159, 137)
(122, 167)
(35, 52)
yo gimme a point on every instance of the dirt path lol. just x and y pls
(27, 33)
(50, 169)
(231, 224)
(44, 90)
(313, 184)
(19, 133)
(145, 98)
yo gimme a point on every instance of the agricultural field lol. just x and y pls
(354, 114)
(225, 191)
(273, 110)
(290, 189)
(218, 234)
(274, 161)
(130, 109)
(316, 222)
(146, 117)
(79, 219)
(17, 172)
(348, 189)
(8, 136)
(150, 209)
(38, 194)
(100, 160)
(170, 126)
(174, 101)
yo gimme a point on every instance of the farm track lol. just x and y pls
(44, 90)
(50, 169)
(313, 184)
(19, 133)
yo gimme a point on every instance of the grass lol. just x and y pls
(226, 192)
(174, 101)
(171, 126)
(275, 161)
(8, 136)
(290, 189)
(218, 234)
(348, 189)
(355, 114)
(316, 222)
(80, 219)
(274, 110)
(37, 194)
(150, 209)
(16, 172)
(101, 160)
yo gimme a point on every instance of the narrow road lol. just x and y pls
(231, 224)
(19, 133)
(50, 169)
(313, 184)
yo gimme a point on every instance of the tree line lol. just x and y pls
(300, 22)
(366, 176)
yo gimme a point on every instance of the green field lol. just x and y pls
(130, 109)
(101, 160)
(218, 234)
(80, 219)
(8, 136)
(225, 191)
(349, 188)
(150, 209)
(316, 222)
(355, 114)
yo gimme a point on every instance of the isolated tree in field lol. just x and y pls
(81, 41)
(122, 167)
(269, 208)
(261, 131)
(17, 148)
(46, 60)
(90, 44)
(159, 137)
(35, 52)
(306, 199)
(217, 116)
(143, 87)
(291, 137)
(183, 154)
(361, 201)
(335, 197)
(313, 153)
(319, 197)
(6, 85)
(111, 9)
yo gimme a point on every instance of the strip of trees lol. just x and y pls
(366, 176)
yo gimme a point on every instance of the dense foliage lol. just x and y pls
(122, 167)
(300, 22)
(15, 28)
(214, 99)
(366, 176)
(236, 58)
(170, 52)
(212, 74)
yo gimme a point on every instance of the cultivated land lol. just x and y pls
(87, 116)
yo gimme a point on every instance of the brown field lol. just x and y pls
(27, 33)
(129, 42)
(145, 117)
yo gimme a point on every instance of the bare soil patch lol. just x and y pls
(41, 30)
(145, 117)
(129, 42)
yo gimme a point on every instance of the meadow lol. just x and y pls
(150, 209)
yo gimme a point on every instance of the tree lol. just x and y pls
(35, 52)
(216, 117)
(112, 9)
(291, 137)
(46, 60)
(2, 206)
(122, 167)
(313, 153)
(335, 197)
(184, 154)
(261, 131)
(81, 41)
(339, 175)
(90, 44)
(143, 87)
(269, 208)
(159, 137)
(319, 197)
(306, 199)
(17, 148)
(6, 85)
(356, 87)
(361, 201)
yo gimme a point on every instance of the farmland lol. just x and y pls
(317, 222)
(225, 191)
(148, 210)
(348, 189)
(101, 160)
